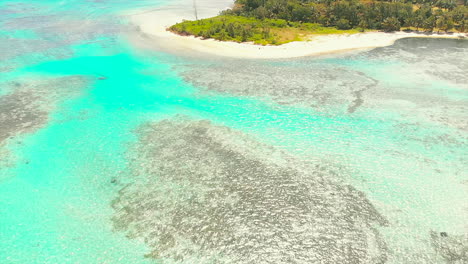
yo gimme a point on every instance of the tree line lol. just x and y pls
(427, 15)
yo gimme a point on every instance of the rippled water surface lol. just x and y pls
(111, 153)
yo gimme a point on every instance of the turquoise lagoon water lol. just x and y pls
(392, 121)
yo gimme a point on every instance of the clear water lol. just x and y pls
(82, 141)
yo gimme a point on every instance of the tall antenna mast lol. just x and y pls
(195, 9)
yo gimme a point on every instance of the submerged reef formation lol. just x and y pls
(204, 193)
(19, 113)
(286, 85)
(26, 107)
(352, 83)
(452, 248)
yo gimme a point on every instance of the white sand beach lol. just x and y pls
(154, 24)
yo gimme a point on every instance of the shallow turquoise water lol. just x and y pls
(405, 147)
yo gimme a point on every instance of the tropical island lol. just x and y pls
(275, 22)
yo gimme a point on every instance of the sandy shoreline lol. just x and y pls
(153, 23)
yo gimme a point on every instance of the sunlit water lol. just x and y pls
(113, 154)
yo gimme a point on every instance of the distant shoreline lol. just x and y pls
(155, 23)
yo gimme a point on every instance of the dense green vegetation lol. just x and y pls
(250, 29)
(280, 21)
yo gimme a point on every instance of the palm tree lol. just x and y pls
(195, 9)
